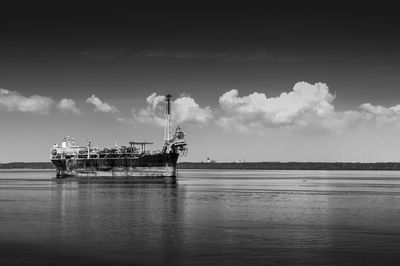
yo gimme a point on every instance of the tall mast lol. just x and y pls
(167, 119)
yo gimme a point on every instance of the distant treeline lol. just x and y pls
(32, 165)
(244, 166)
(292, 166)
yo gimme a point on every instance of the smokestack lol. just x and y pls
(168, 103)
(167, 119)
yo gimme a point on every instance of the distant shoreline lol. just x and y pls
(330, 166)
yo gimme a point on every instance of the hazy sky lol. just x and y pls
(310, 81)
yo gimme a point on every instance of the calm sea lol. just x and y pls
(204, 218)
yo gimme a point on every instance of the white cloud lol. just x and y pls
(380, 114)
(68, 105)
(184, 110)
(14, 101)
(256, 111)
(155, 100)
(101, 106)
(307, 107)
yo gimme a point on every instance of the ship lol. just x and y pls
(135, 160)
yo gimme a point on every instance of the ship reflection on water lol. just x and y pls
(136, 181)
(120, 220)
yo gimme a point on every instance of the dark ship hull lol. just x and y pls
(154, 165)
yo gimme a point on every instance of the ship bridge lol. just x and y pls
(141, 143)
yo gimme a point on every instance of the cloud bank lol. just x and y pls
(308, 107)
(14, 101)
(100, 106)
(256, 111)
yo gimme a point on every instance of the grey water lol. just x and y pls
(204, 217)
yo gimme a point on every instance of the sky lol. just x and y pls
(286, 81)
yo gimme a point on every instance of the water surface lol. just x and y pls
(205, 217)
